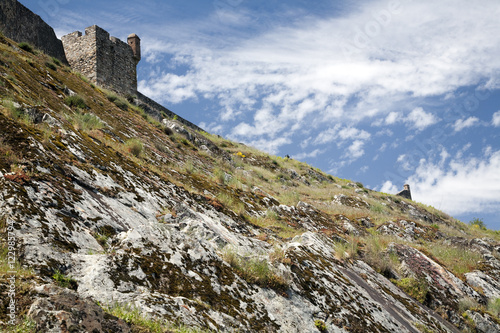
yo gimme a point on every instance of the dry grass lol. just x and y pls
(274, 224)
(458, 260)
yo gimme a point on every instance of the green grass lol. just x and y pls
(494, 307)
(75, 101)
(56, 61)
(63, 280)
(26, 47)
(254, 271)
(120, 102)
(458, 260)
(87, 121)
(26, 326)
(134, 316)
(51, 66)
(231, 203)
(416, 288)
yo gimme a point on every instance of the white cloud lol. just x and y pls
(355, 150)
(405, 162)
(304, 155)
(339, 134)
(460, 124)
(471, 186)
(391, 118)
(420, 119)
(496, 119)
(389, 187)
(426, 49)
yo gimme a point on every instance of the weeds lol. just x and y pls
(135, 147)
(133, 316)
(494, 307)
(231, 203)
(63, 280)
(75, 101)
(416, 288)
(118, 101)
(26, 47)
(26, 326)
(255, 271)
(51, 66)
(87, 121)
(458, 260)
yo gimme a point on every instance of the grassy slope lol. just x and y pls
(228, 176)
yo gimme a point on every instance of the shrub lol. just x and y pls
(51, 66)
(478, 223)
(416, 288)
(64, 281)
(320, 325)
(135, 147)
(254, 270)
(26, 47)
(118, 101)
(75, 101)
(56, 61)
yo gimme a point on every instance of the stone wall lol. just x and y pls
(22, 25)
(106, 61)
(160, 112)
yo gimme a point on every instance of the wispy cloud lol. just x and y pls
(469, 186)
(420, 119)
(460, 124)
(496, 119)
(297, 73)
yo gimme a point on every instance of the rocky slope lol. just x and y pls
(121, 222)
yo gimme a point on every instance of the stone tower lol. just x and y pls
(405, 193)
(135, 43)
(106, 61)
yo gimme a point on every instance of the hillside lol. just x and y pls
(120, 222)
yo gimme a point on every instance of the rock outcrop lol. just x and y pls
(107, 208)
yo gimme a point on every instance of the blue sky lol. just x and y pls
(382, 92)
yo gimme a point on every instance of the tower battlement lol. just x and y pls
(105, 60)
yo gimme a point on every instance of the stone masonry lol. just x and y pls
(106, 61)
(405, 193)
(22, 25)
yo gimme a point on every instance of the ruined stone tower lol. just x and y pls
(135, 43)
(405, 193)
(106, 61)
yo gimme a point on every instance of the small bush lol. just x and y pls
(478, 223)
(26, 47)
(56, 61)
(75, 101)
(254, 270)
(320, 325)
(64, 281)
(135, 147)
(51, 66)
(416, 288)
(118, 101)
